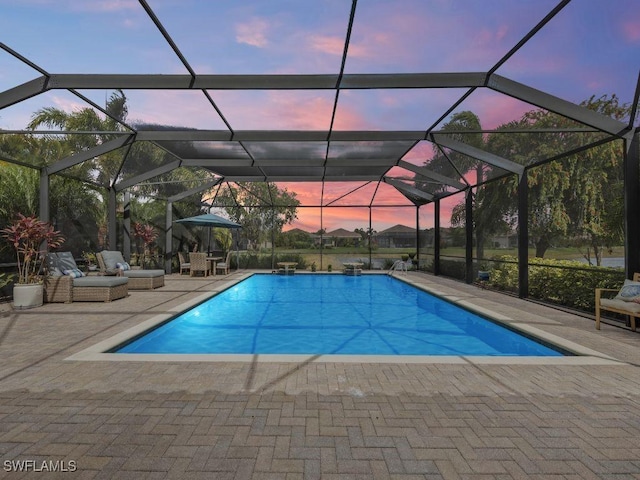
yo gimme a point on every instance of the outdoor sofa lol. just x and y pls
(111, 262)
(63, 283)
(626, 302)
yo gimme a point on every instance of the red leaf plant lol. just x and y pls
(146, 233)
(31, 238)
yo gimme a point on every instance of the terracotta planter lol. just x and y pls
(27, 295)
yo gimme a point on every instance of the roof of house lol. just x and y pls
(397, 229)
(342, 233)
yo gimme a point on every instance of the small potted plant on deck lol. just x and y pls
(484, 273)
(31, 238)
(90, 260)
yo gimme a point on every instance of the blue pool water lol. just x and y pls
(332, 314)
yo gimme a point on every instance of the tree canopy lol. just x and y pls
(261, 208)
(577, 198)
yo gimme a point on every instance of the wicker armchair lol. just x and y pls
(184, 265)
(199, 263)
(224, 266)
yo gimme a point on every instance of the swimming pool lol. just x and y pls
(332, 315)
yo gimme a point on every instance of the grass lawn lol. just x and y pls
(332, 256)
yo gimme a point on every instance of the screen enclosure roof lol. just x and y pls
(312, 91)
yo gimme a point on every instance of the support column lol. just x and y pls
(111, 219)
(631, 203)
(417, 257)
(45, 212)
(523, 236)
(44, 206)
(469, 236)
(436, 237)
(126, 227)
(370, 238)
(168, 239)
(321, 236)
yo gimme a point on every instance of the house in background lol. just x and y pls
(398, 236)
(340, 238)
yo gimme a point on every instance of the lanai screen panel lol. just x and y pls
(304, 72)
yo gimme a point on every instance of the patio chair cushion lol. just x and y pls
(143, 273)
(111, 259)
(59, 263)
(615, 304)
(630, 291)
(66, 261)
(51, 264)
(99, 281)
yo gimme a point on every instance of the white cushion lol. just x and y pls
(631, 307)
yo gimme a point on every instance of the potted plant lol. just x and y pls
(484, 273)
(91, 261)
(147, 235)
(30, 238)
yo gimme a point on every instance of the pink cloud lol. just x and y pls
(173, 108)
(326, 44)
(292, 111)
(276, 110)
(306, 193)
(494, 109)
(254, 32)
(422, 152)
(631, 30)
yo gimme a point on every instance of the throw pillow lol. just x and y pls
(630, 291)
(74, 273)
(123, 266)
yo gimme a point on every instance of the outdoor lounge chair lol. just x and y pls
(625, 302)
(184, 265)
(111, 262)
(67, 287)
(224, 266)
(199, 263)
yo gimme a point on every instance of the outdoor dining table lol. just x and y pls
(287, 266)
(353, 268)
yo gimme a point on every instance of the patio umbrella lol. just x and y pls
(211, 220)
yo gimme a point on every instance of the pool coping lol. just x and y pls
(580, 355)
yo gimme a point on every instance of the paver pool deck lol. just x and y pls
(575, 418)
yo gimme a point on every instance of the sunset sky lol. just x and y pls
(592, 47)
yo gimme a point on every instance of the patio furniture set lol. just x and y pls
(66, 283)
(200, 262)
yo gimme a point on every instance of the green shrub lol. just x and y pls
(262, 261)
(453, 268)
(564, 282)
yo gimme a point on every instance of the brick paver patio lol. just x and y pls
(313, 419)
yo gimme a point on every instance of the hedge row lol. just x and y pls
(264, 261)
(564, 282)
